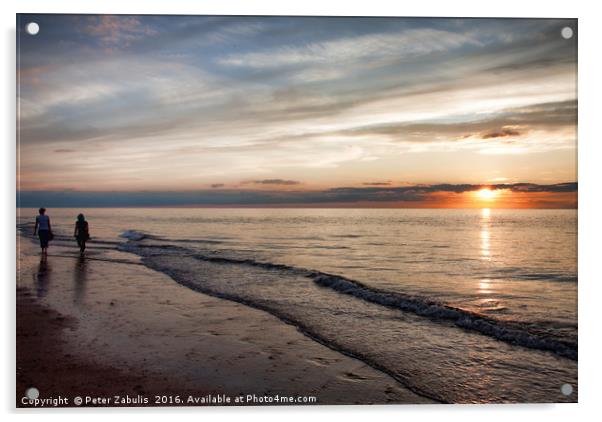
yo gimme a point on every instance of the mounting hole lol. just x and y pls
(566, 389)
(32, 393)
(567, 33)
(32, 28)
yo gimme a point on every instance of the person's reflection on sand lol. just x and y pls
(43, 276)
(80, 278)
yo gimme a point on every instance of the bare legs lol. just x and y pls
(82, 246)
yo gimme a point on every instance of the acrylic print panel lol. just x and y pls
(244, 210)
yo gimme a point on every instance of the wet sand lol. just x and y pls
(92, 327)
(45, 360)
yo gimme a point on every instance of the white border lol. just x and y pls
(590, 250)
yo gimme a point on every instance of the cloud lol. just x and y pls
(276, 182)
(340, 195)
(229, 31)
(532, 187)
(539, 63)
(408, 43)
(217, 185)
(116, 31)
(501, 133)
(183, 101)
(514, 121)
(387, 183)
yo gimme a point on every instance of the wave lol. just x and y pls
(512, 332)
(518, 274)
(135, 235)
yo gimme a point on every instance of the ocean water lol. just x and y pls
(457, 305)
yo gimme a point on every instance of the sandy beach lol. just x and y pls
(89, 327)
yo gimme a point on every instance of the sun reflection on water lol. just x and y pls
(485, 234)
(485, 286)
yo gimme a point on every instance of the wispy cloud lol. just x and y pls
(409, 43)
(114, 31)
(184, 101)
(275, 182)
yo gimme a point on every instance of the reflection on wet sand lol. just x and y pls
(43, 277)
(80, 278)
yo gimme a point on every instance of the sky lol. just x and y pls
(296, 111)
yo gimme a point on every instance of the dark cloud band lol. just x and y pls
(224, 197)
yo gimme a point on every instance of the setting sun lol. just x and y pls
(486, 194)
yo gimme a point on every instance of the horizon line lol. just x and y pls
(514, 195)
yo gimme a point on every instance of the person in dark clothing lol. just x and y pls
(82, 233)
(43, 229)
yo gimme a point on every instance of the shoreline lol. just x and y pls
(90, 327)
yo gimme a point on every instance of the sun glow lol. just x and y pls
(486, 194)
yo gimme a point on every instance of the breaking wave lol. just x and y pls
(513, 332)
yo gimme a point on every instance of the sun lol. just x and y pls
(486, 194)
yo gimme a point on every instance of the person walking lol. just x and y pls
(43, 229)
(81, 233)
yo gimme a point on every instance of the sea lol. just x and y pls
(458, 305)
